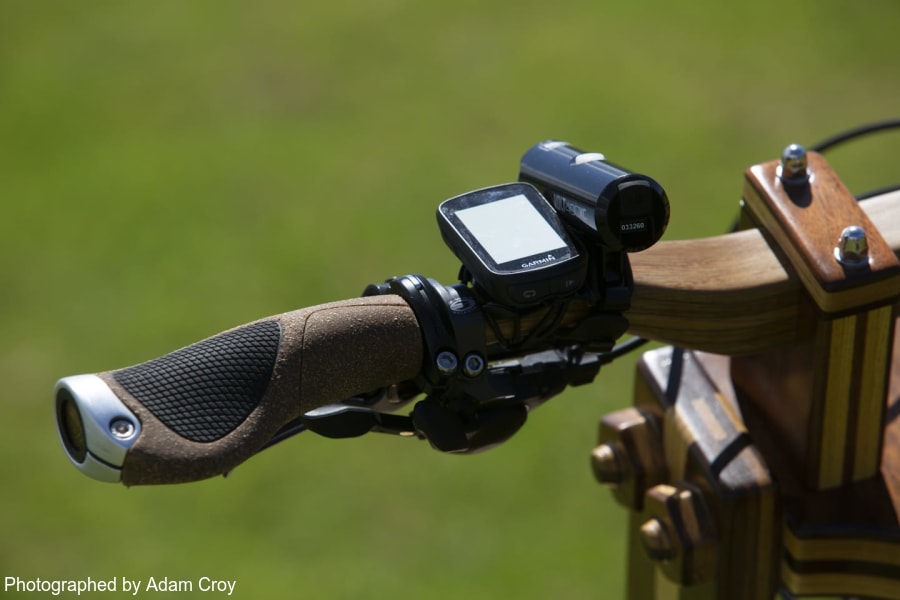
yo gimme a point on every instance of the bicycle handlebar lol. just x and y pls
(202, 410)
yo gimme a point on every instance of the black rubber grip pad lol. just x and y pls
(205, 391)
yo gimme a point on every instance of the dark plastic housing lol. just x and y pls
(621, 210)
(520, 254)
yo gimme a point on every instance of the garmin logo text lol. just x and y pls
(539, 261)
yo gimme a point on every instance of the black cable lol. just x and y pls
(854, 133)
(878, 192)
(624, 348)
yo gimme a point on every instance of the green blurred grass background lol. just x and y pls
(172, 169)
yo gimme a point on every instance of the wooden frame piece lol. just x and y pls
(777, 457)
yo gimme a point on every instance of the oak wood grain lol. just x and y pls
(708, 451)
(729, 294)
(843, 541)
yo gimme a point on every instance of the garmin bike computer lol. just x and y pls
(513, 244)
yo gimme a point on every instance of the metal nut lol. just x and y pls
(853, 247)
(607, 465)
(657, 540)
(680, 533)
(629, 455)
(793, 169)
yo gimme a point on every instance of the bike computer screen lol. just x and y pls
(513, 243)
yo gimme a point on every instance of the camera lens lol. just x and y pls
(71, 428)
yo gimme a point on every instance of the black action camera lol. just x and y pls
(623, 211)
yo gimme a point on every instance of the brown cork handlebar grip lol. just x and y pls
(206, 408)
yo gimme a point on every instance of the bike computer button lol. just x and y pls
(565, 285)
(530, 292)
(513, 244)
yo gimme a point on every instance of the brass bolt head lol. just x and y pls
(606, 465)
(657, 540)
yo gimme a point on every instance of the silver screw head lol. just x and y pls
(473, 365)
(853, 247)
(793, 164)
(446, 362)
(122, 429)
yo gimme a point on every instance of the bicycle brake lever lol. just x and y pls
(520, 386)
(343, 421)
(338, 421)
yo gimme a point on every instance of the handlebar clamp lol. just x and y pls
(452, 328)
